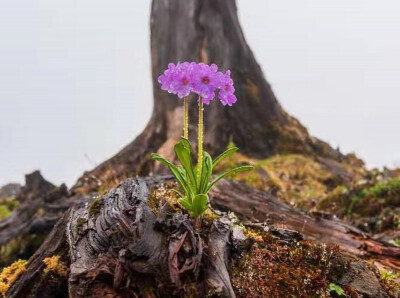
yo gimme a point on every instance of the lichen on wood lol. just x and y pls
(10, 274)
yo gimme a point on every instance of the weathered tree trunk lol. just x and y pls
(208, 31)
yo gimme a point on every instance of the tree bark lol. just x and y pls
(208, 31)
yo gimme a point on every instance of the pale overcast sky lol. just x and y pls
(75, 77)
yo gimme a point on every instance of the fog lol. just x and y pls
(75, 82)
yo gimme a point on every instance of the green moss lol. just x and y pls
(295, 178)
(80, 222)
(390, 282)
(7, 207)
(4, 212)
(336, 289)
(95, 207)
(372, 205)
(9, 252)
(395, 242)
(390, 187)
(20, 248)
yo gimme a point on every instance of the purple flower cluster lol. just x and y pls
(199, 78)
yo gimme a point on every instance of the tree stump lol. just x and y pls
(207, 31)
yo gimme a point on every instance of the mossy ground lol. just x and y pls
(299, 180)
(369, 199)
(301, 269)
(373, 205)
(272, 269)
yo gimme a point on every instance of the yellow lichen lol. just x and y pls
(54, 264)
(161, 195)
(10, 274)
(252, 234)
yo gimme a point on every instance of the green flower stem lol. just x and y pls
(186, 118)
(200, 141)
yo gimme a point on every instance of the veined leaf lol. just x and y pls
(224, 155)
(176, 172)
(199, 204)
(228, 172)
(185, 203)
(177, 192)
(206, 172)
(184, 153)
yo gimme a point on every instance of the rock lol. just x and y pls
(362, 279)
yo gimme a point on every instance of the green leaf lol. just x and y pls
(177, 192)
(335, 288)
(228, 172)
(224, 155)
(206, 172)
(191, 190)
(199, 204)
(178, 174)
(184, 153)
(186, 204)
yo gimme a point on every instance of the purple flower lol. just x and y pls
(206, 80)
(226, 91)
(182, 81)
(166, 78)
(199, 78)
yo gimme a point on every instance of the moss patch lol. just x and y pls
(164, 194)
(7, 207)
(373, 205)
(20, 248)
(391, 282)
(95, 207)
(300, 180)
(272, 269)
